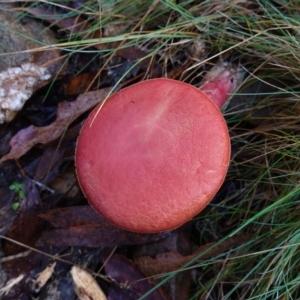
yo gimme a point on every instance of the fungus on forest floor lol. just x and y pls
(157, 152)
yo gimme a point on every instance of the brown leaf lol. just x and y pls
(162, 263)
(81, 83)
(73, 216)
(50, 160)
(128, 282)
(82, 226)
(67, 112)
(180, 242)
(172, 261)
(66, 183)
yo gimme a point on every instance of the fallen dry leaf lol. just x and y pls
(67, 112)
(128, 282)
(66, 183)
(172, 261)
(49, 164)
(80, 84)
(177, 287)
(73, 216)
(82, 226)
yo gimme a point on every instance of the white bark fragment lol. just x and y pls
(10, 284)
(43, 277)
(17, 85)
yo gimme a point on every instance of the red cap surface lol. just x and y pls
(154, 155)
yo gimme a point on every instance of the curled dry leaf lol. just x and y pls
(67, 112)
(86, 287)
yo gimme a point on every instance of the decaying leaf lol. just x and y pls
(86, 286)
(66, 183)
(67, 112)
(82, 226)
(128, 282)
(49, 163)
(172, 261)
(80, 84)
(180, 242)
(162, 263)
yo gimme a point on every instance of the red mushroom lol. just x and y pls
(156, 153)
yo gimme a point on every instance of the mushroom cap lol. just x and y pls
(153, 156)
